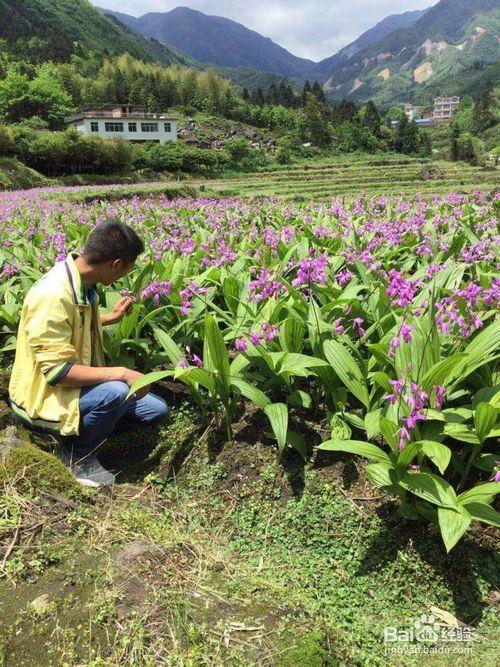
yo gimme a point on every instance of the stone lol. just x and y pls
(132, 552)
(430, 173)
(40, 604)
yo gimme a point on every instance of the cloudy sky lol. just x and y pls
(312, 29)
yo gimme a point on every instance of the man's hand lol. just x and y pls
(122, 307)
(130, 377)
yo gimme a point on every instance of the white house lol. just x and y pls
(123, 120)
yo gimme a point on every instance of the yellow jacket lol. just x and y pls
(59, 327)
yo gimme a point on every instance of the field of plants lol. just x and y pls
(375, 319)
(349, 175)
(320, 179)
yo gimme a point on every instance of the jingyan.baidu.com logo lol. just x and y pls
(427, 635)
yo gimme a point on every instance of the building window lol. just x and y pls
(132, 127)
(149, 127)
(113, 127)
(94, 126)
(168, 127)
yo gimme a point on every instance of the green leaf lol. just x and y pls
(481, 350)
(440, 372)
(484, 513)
(292, 334)
(389, 430)
(372, 423)
(461, 433)
(299, 399)
(453, 523)
(486, 462)
(252, 393)
(277, 414)
(382, 379)
(295, 364)
(427, 511)
(168, 344)
(218, 352)
(194, 374)
(408, 454)
(383, 475)
(231, 291)
(347, 370)
(487, 395)
(431, 488)
(355, 420)
(484, 420)
(369, 451)
(339, 429)
(297, 441)
(148, 379)
(482, 493)
(438, 453)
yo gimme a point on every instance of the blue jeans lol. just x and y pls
(103, 409)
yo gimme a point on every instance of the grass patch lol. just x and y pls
(214, 553)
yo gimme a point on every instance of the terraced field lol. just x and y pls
(322, 180)
(351, 177)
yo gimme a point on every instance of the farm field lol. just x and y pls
(329, 468)
(320, 180)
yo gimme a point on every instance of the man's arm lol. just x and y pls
(86, 376)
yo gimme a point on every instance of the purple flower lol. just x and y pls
(254, 338)
(311, 271)
(240, 344)
(156, 290)
(344, 277)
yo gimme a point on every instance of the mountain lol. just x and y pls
(217, 40)
(382, 29)
(54, 29)
(453, 43)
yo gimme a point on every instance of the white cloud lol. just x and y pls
(312, 29)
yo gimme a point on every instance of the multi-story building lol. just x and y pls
(123, 120)
(445, 108)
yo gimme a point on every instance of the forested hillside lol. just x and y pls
(41, 30)
(452, 48)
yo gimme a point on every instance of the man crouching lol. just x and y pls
(59, 381)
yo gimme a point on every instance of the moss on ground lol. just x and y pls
(28, 466)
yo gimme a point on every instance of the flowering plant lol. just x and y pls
(374, 318)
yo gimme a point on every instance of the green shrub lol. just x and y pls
(6, 141)
(238, 149)
(68, 152)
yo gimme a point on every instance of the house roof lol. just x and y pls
(98, 114)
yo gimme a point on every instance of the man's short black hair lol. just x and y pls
(110, 240)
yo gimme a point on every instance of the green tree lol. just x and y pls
(454, 137)
(372, 118)
(345, 111)
(407, 139)
(43, 96)
(315, 122)
(188, 87)
(318, 92)
(483, 116)
(306, 89)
